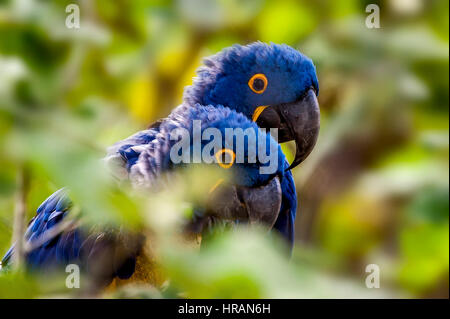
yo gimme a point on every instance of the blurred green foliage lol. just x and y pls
(375, 189)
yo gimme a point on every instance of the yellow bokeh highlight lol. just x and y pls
(140, 96)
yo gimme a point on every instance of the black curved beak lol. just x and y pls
(298, 121)
(251, 205)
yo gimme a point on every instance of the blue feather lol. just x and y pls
(219, 98)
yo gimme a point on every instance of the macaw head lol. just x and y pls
(273, 85)
(250, 157)
(216, 136)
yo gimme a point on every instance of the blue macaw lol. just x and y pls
(274, 85)
(251, 196)
(258, 85)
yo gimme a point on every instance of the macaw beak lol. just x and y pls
(253, 205)
(298, 121)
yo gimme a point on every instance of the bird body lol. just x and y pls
(55, 239)
(243, 87)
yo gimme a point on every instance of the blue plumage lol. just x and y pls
(49, 214)
(147, 153)
(286, 218)
(223, 79)
(145, 156)
(219, 98)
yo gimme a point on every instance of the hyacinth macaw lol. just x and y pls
(272, 85)
(103, 254)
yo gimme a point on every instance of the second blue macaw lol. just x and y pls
(55, 238)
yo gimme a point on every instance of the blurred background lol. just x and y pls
(374, 191)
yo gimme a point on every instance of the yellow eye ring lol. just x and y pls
(219, 159)
(258, 83)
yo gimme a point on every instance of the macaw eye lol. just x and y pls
(258, 83)
(221, 157)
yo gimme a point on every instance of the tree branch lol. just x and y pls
(20, 215)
